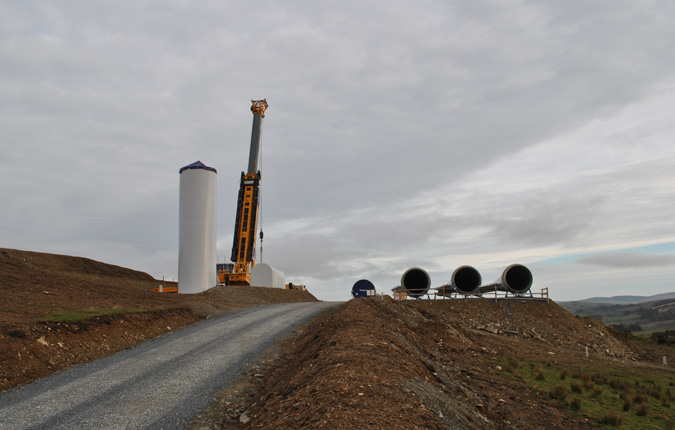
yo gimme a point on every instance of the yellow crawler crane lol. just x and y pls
(246, 222)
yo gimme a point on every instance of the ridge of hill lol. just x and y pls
(627, 300)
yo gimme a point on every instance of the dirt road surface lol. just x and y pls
(159, 384)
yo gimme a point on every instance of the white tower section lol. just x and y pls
(264, 275)
(197, 228)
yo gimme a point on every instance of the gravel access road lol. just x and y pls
(160, 384)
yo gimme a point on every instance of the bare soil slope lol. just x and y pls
(46, 300)
(381, 364)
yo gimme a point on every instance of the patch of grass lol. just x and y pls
(669, 394)
(574, 403)
(512, 364)
(589, 385)
(619, 384)
(83, 314)
(617, 397)
(640, 398)
(538, 373)
(656, 392)
(19, 310)
(576, 387)
(611, 418)
(559, 392)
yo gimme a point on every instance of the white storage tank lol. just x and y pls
(264, 275)
(197, 228)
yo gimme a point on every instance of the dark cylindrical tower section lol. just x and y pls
(258, 108)
(255, 144)
(416, 282)
(517, 279)
(466, 280)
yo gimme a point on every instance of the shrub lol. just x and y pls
(576, 387)
(669, 394)
(538, 373)
(664, 337)
(641, 411)
(618, 384)
(511, 364)
(559, 392)
(574, 403)
(656, 392)
(611, 418)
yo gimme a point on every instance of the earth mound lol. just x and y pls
(380, 364)
(59, 310)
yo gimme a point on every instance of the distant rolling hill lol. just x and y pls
(641, 315)
(629, 300)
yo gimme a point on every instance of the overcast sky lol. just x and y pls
(398, 134)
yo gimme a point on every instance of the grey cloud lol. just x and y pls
(625, 260)
(369, 107)
(545, 221)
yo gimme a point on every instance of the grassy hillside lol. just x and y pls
(641, 318)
